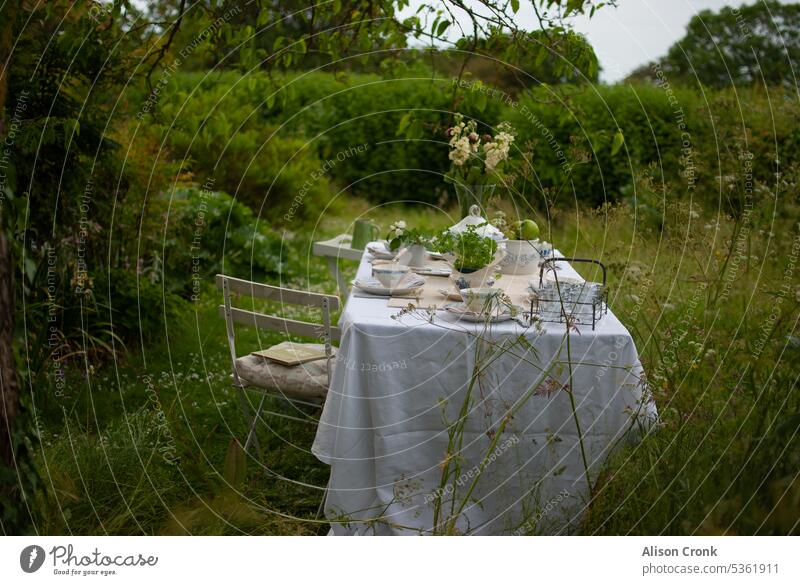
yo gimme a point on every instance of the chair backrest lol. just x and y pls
(327, 303)
(231, 314)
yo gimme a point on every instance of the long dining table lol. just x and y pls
(434, 425)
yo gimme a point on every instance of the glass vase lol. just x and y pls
(469, 195)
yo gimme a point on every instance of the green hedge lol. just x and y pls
(367, 110)
(681, 137)
(677, 136)
(344, 128)
(216, 126)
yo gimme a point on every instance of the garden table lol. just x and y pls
(334, 249)
(536, 424)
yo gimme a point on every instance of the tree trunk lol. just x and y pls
(9, 383)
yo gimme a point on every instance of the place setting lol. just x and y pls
(483, 305)
(389, 279)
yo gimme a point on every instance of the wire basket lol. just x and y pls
(558, 302)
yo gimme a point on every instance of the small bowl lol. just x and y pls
(389, 274)
(480, 300)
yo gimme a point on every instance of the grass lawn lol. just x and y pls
(145, 444)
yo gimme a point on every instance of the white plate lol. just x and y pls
(373, 286)
(461, 311)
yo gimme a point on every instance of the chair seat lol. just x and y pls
(307, 381)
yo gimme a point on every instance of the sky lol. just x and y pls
(631, 34)
(639, 31)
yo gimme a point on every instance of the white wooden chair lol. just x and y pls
(303, 384)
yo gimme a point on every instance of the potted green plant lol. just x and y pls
(413, 240)
(477, 162)
(473, 256)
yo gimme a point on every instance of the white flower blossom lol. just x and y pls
(461, 150)
(497, 151)
(397, 228)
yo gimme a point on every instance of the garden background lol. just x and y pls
(147, 148)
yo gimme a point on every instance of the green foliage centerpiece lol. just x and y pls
(473, 255)
(414, 240)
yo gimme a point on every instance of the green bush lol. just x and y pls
(686, 139)
(367, 110)
(208, 232)
(217, 128)
(295, 135)
(345, 128)
(139, 306)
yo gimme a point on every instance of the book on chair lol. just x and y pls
(292, 355)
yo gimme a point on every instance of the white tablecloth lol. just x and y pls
(399, 383)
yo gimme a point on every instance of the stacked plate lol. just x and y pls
(381, 251)
(409, 285)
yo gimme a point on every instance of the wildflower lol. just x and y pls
(547, 389)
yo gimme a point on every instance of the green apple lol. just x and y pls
(528, 230)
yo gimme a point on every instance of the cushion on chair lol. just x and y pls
(308, 380)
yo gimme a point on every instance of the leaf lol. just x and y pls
(403, 125)
(480, 101)
(235, 468)
(415, 130)
(515, 6)
(573, 6)
(617, 143)
(442, 27)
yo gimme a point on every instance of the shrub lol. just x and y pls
(138, 306)
(208, 232)
(217, 129)
(367, 110)
(690, 139)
